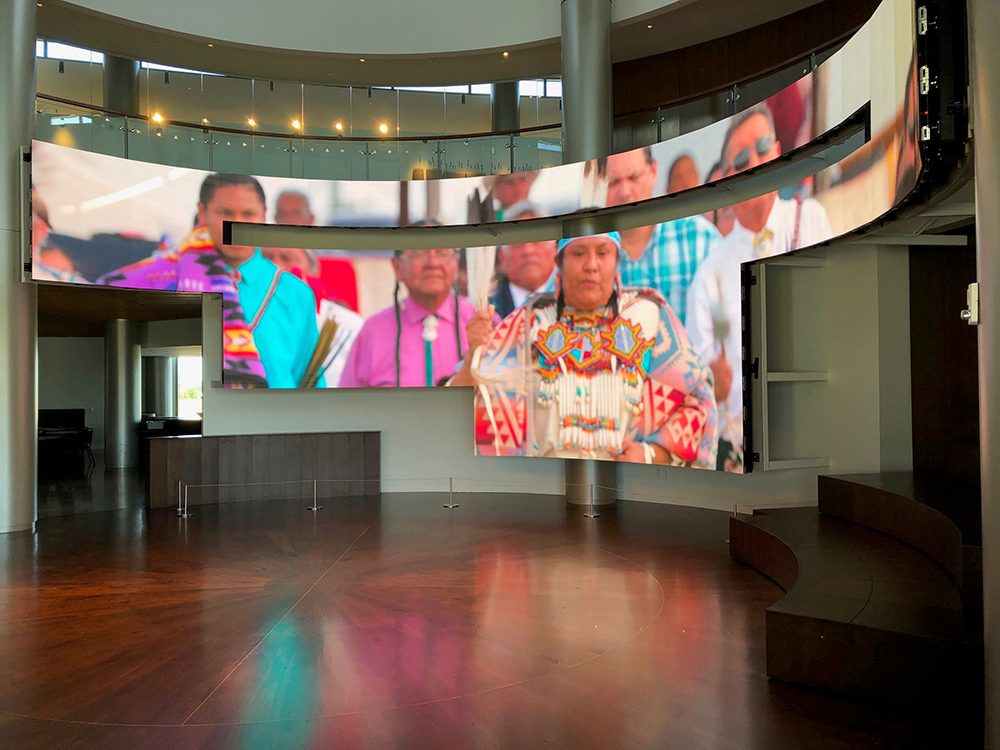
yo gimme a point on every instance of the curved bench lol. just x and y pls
(864, 614)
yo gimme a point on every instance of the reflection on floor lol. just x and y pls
(69, 489)
(511, 622)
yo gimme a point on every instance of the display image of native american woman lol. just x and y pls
(593, 371)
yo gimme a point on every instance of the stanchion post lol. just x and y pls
(179, 495)
(451, 504)
(186, 513)
(315, 506)
(593, 513)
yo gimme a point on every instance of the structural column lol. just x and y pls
(587, 122)
(159, 386)
(504, 101)
(984, 39)
(123, 392)
(121, 84)
(18, 299)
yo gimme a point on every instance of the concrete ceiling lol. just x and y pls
(418, 44)
(75, 310)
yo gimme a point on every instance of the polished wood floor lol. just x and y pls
(510, 622)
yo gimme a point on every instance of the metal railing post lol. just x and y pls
(315, 506)
(593, 512)
(451, 504)
(186, 513)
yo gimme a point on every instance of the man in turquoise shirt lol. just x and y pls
(279, 308)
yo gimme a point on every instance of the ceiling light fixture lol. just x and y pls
(649, 25)
(210, 44)
(338, 126)
(362, 59)
(506, 53)
(383, 128)
(204, 121)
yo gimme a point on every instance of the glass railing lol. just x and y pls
(307, 154)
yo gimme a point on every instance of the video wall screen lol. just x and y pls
(620, 347)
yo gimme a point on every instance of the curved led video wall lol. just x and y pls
(619, 347)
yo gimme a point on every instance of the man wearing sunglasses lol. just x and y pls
(664, 256)
(765, 226)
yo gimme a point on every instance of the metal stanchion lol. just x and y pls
(593, 513)
(451, 504)
(315, 506)
(179, 493)
(186, 513)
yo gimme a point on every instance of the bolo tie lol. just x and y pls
(429, 335)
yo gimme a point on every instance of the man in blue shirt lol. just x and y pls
(279, 308)
(665, 256)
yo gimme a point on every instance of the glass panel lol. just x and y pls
(137, 136)
(277, 106)
(324, 107)
(472, 116)
(383, 163)
(328, 160)
(175, 96)
(373, 109)
(227, 102)
(272, 155)
(475, 156)
(538, 150)
(421, 112)
(621, 134)
(418, 160)
(231, 152)
(701, 112)
(178, 146)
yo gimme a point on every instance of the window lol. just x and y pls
(189, 387)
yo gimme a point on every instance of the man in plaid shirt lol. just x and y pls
(665, 256)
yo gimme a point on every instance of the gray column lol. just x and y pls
(159, 386)
(586, 87)
(121, 84)
(18, 300)
(123, 392)
(984, 39)
(586, 79)
(504, 101)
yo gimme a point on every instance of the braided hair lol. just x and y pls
(399, 318)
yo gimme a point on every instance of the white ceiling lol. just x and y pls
(374, 27)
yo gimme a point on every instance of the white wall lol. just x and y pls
(863, 319)
(172, 338)
(71, 376)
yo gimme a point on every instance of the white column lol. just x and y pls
(18, 299)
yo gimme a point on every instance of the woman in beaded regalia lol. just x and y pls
(592, 371)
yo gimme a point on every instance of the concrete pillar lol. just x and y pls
(121, 84)
(586, 79)
(586, 87)
(504, 101)
(123, 392)
(984, 40)
(18, 299)
(159, 386)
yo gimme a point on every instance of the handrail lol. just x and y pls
(301, 136)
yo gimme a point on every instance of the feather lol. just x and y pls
(480, 264)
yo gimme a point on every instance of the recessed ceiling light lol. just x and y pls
(649, 25)
(506, 53)
(210, 44)
(362, 59)
(383, 128)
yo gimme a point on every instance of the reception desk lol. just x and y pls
(235, 468)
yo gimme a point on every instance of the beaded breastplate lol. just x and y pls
(592, 367)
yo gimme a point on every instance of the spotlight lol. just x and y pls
(157, 117)
(383, 128)
(506, 53)
(251, 122)
(649, 25)
(296, 124)
(362, 60)
(210, 44)
(338, 126)
(204, 121)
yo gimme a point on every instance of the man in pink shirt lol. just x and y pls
(418, 341)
